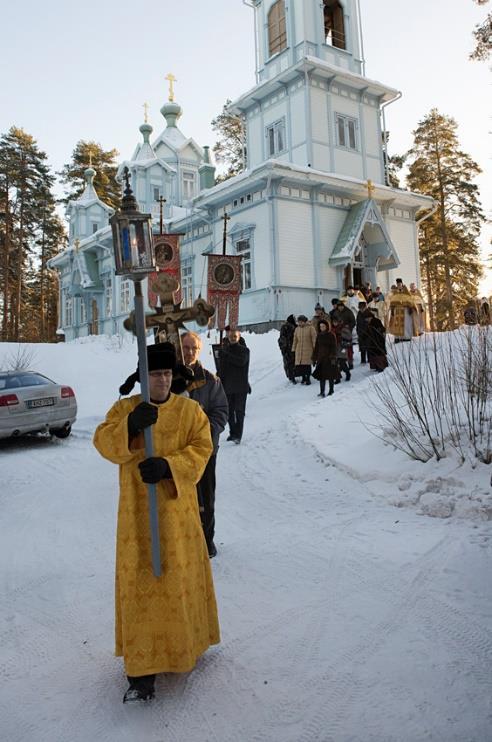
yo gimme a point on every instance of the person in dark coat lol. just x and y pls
(344, 338)
(206, 389)
(285, 344)
(234, 369)
(347, 318)
(361, 325)
(325, 358)
(376, 344)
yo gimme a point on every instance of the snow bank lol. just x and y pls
(344, 429)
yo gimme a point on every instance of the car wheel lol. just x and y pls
(61, 432)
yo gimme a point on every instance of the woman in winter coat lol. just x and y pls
(303, 346)
(325, 358)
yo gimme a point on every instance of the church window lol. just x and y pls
(334, 24)
(68, 306)
(347, 132)
(187, 282)
(95, 227)
(276, 138)
(108, 298)
(188, 185)
(157, 193)
(83, 312)
(277, 32)
(243, 247)
(125, 295)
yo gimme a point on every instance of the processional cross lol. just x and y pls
(168, 319)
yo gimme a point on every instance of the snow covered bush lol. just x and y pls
(437, 395)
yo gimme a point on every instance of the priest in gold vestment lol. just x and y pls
(402, 317)
(163, 624)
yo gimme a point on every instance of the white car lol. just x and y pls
(32, 403)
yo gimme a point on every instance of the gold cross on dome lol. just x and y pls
(146, 112)
(172, 80)
(370, 188)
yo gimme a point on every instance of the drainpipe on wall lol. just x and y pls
(309, 122)
(274, 280)
(361, 42)
(250, 5)
(385, 144)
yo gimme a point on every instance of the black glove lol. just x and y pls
(141, 417)
(154, 469)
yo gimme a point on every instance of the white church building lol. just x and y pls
(312, 212)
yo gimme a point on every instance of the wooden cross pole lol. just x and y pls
(146, 112)
(161, 201)
(226, 219)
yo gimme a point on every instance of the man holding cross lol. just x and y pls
(163, 624)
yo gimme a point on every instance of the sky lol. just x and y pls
(353, 582)
(83, 71)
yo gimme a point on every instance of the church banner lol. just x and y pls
(166, 249)
(224, 288)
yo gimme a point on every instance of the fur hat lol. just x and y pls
(159, 356)
(291, 320)
(318, 306)
(302, 318)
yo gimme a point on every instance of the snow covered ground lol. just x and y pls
(348, 614)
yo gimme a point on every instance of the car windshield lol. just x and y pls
(15, 381)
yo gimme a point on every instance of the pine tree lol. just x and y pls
(483, 37)
(230, 148)
(103, 162)
(393, 164)
(30, 232)
(450, 253)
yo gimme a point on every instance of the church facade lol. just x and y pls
(311, 213)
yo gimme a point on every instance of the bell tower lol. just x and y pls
(312, 105)
(288, 30)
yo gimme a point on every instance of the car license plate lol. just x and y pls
(40, 402)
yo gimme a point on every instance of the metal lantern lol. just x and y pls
(132, 237)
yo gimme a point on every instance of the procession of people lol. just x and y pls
(164, 624)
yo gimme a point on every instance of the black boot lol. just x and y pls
(141, 688)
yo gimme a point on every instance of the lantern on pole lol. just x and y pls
(134, 259)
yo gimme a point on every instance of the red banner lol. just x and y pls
(224, 288)
(166, 249)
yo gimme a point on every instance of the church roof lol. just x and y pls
(323, 69)
(376, 236)
(89, 195)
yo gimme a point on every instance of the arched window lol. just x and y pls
(277, 34)
(334, 25)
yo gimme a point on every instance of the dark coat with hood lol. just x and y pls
(234, 368)
(325, 356)
(286, 336)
